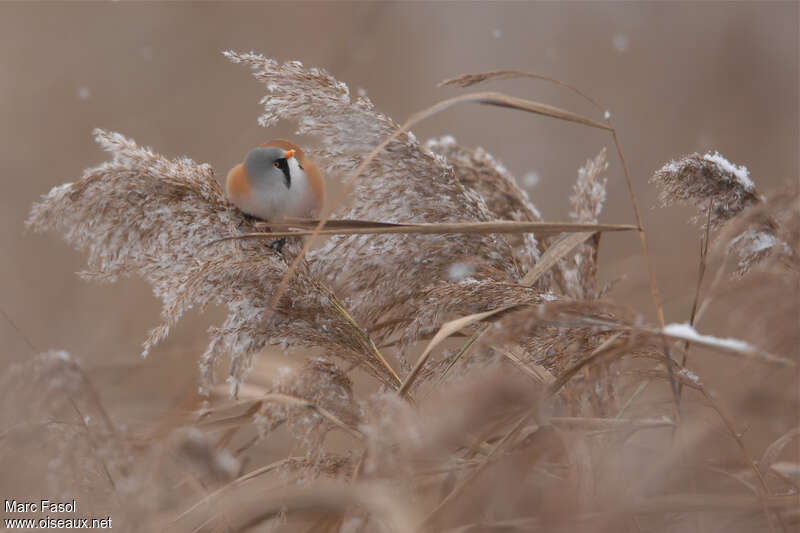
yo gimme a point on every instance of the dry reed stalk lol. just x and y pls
(499, 226)
(468, 80)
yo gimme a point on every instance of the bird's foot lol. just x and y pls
(278, 244)
(248, 218)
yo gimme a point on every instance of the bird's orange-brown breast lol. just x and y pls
(312, 171)
(237, 184)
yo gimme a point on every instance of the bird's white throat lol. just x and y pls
(272, 200)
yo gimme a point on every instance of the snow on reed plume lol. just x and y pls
(768, 233)
(764, 242)
(699, 180)
(143, 214)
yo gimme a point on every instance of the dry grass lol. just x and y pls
(470, 370)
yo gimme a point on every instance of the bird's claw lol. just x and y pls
(278, 244)
(248, 218)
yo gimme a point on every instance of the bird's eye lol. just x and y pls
(276, 164)
(299, 165)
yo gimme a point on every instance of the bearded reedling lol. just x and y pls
(276, 181)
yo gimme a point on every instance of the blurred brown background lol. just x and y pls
(677, 78)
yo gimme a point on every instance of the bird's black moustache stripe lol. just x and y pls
(283, 164)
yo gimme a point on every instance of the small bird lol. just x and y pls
(276, 181)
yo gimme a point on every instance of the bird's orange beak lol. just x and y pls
(288, 154)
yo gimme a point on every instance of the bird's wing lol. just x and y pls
(237, 185)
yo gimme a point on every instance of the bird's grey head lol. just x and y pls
(270, 165)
